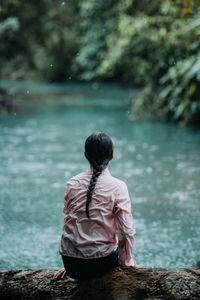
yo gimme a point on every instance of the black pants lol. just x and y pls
(81, 268)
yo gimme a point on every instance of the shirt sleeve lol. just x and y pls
(122, 211)
(67, 189)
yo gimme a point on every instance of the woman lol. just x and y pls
(97, 231)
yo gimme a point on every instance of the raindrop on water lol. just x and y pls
(63, 3)
(27, 91)
(139, 157)
(149, 170)
(29, 138)
(181, 197)
(51, 65)
(67, 174)
(166, 172)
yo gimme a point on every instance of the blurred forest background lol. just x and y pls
(152, 45)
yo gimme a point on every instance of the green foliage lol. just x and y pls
(121, 38)
(94, 29)
(176, 93)
(145, 45)
(150, 44)
(37, 39)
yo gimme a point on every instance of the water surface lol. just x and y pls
(42, 147)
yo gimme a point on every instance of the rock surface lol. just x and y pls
(120, 284)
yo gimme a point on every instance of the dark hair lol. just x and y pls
(98, 151)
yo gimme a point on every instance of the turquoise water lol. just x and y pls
(42, 147)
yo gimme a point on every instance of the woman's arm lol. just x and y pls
(122, 211)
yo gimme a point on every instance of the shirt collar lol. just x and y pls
(105, 171)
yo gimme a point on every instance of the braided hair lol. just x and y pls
(98, 151)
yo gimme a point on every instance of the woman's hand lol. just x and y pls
(135, 264)
(60, 274)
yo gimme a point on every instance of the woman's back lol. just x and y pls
(94, 236)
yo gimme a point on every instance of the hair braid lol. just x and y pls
(98, 151)
(96, 172)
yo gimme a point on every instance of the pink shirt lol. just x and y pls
(110, 223)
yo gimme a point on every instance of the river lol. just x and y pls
(42, 144)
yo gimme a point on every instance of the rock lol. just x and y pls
(120, 284)
(198, 264)
(6, 103)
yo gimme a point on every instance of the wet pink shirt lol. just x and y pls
(110, 223)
